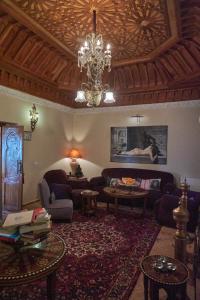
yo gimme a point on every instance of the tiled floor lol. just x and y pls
(164, 246)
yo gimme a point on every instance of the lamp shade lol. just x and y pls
(74, 153)
(109, 98)
(80, 97)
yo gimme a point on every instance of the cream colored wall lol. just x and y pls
(50, 140)
(92, 135)
(58, 130)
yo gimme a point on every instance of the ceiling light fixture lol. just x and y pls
(94, 59)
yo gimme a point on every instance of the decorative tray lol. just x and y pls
(163, 265)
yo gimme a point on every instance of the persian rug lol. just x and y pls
(102, 259)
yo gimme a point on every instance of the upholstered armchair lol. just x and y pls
(63, 186)
(57, 208)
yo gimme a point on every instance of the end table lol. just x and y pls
(89, 201)
(172, 282)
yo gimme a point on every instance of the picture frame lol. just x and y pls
(27, 135)
(139, 144)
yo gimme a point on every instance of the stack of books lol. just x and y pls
(28, 226)
(10, 235)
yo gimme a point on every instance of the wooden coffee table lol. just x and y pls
(118, 193)
(24, 265)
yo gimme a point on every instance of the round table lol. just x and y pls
(89, 201)
(118, 193)
(23, 265)
(171, 282)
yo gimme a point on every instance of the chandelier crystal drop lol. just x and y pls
(95, 59)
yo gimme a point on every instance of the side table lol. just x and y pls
(172, 282)
(30, 263)
(89, 201)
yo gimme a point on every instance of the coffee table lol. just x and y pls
(24, 265)
(118, 193)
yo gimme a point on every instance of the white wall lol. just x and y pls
(50, 142)
(59, 128)
(92, 134)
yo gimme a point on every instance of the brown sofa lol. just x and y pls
(167, 181)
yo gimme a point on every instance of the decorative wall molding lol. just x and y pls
(44, 102)
(154, 106)
(33, 99)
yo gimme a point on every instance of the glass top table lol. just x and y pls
(25, 264)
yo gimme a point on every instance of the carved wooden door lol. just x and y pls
(12, 167)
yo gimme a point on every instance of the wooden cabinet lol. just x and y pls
(11, 164)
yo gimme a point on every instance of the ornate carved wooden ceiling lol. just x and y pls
(138, 27)
(155, 46)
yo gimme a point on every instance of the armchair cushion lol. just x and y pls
(61, 209)
(56, 176)
(61, 191)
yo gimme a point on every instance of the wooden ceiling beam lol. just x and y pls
(21, 36)
(50, 68)
(22, 72)
(59, 68)
(10, 8)
(24, 49)
(6, 31)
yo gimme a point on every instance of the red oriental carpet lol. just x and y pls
(102, 259)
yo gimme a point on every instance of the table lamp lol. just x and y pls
(74, 154)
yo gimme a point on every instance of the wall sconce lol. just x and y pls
(137, 118)
(74, 154)
(33, 117)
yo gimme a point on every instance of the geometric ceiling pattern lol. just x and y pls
(155, 48)
(138, 27)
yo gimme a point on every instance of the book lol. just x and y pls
(35, 227)
(38, 215)
(19, 218)
(7, 231)
(35, 235)
(34, 241)
(12, 238)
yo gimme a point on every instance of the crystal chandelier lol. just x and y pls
(94, 59)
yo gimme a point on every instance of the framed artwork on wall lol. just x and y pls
(142, 144)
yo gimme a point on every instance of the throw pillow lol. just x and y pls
(61, 191)
(150, 184)
(114, 181)
(155, 184)
(145, 184)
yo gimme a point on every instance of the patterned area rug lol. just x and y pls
(102, 260)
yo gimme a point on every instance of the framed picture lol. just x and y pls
(142, 144)
(27, 135)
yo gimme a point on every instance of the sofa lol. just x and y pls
(168, 202)
(64, 186)
(99, 182)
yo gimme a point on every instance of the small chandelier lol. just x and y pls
(94, 59)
